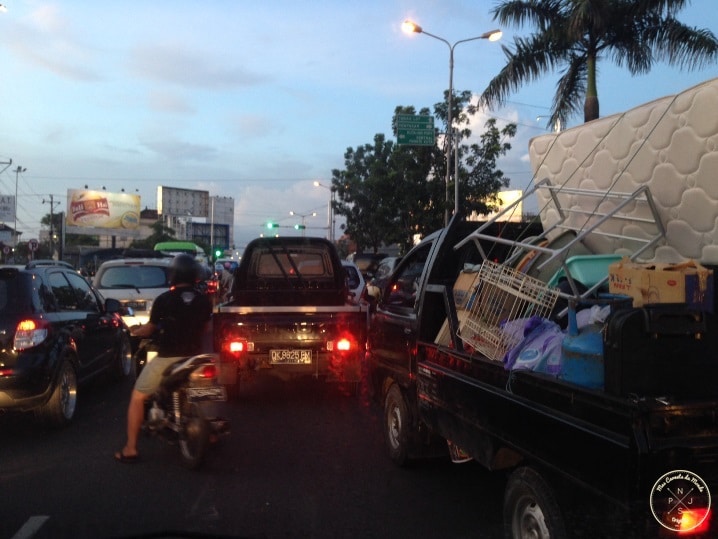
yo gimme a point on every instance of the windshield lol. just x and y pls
(134, 277)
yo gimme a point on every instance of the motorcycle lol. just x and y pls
(176, 411)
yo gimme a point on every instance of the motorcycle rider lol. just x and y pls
(180, 316)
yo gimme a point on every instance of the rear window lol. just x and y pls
(144, 276)
(277, 264)
(15, 294)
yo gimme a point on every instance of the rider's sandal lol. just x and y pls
(126, 459)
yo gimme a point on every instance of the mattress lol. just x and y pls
(670, 146)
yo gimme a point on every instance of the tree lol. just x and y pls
(361, 192)
(575, 34)
(53, 222)
(389, 193)
(160, 233)
(482, 180)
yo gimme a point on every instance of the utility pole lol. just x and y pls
(52, 224)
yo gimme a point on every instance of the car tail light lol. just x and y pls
(205, 372)
(237, 347)
(344, 343)
(29, 333)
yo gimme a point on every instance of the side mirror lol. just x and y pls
(113, 306)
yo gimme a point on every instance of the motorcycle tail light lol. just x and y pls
(29, 333)
(205, 372)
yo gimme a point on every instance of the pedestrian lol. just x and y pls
(178, 320)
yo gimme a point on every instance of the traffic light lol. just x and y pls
(272, 225)
(217, 253)
(299, 227)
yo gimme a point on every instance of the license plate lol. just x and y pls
(212, 393)
(294, 357)
(136, 305)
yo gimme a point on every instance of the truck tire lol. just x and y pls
(396, 426)
(531, 509)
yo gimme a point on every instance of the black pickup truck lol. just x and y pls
(290, 315)
(634, 457)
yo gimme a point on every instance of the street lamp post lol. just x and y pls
(18, 170)
(330, 210)
(493, 35)
(303, 216)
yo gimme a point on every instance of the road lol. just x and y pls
(303, 460)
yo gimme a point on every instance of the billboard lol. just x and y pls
(102, 213)
(7, 208)
(182, 202)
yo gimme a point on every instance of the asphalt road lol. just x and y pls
(303, 460)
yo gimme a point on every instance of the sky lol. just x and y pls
(253, 100)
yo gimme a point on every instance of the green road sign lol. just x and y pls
(415, 130)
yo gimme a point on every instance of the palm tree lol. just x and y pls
(572, 35)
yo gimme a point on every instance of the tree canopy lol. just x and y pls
(573, 35)
(389, 193)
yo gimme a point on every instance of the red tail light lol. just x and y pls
(29, 333)
(236, 347)
(694, 521)
(205, 372)
(344, 343)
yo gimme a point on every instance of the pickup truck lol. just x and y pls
(579, 460)
(289, 315)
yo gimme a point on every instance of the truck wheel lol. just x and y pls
(396, 426)
(531, 510)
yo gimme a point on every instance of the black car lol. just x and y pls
(56, 332)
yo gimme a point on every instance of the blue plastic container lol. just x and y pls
(582, 355)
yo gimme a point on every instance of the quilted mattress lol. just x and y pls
(669, 145)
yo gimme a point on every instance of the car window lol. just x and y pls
(86, 299)
(3, 294)
(307, 263)
(404, 286)
(144, 276)
(352, 276)
(63, 291)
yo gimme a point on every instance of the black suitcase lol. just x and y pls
(661, 350)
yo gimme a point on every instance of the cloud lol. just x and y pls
(165, 63)
(46, 40)
(166, 102)
(178, 151)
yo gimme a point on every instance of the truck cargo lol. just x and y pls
(596, 401)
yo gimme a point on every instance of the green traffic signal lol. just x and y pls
(299, 227)
(272, 225)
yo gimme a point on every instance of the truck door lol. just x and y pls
(392, 338)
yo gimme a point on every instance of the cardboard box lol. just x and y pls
(688, 283)
(464, 289)
(443, 337)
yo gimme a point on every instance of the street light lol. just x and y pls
(302, 227)
(493, 35)
(18, 170)
(330, 210)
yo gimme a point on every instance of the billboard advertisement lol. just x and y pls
(182, 202)
(7, 208)
(102, 213)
